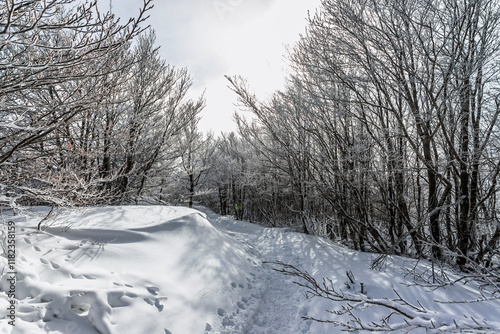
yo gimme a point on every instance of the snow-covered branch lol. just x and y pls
(414, 315)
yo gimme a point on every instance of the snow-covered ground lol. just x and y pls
(173, 270)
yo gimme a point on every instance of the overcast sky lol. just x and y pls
(213, 38)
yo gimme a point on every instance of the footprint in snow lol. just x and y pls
(158, 305)
(37, 248)
(304, 311)
(28, 241)
(156, 302)
(153, 290)
(120, 298)
(54, 265)
(124, 284)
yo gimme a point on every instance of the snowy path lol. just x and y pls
(280, 304)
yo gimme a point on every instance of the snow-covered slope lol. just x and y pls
(174, 270)
(283, 304)
(125, 270)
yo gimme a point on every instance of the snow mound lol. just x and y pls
(124, 270)
(155, 269)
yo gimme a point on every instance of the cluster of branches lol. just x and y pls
(354, 299)
(387, 133)
(85, 117)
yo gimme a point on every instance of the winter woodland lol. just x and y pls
(385, 140)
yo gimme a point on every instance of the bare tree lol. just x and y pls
(55, 67)
(415, 77)
(155, 114)
(197, 151)
(392, 116)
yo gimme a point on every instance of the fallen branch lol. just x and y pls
(414, 315)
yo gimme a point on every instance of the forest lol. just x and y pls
(386, 138)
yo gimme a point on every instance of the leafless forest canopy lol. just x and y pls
(386, 137)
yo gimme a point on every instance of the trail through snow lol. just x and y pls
(280, 304)
(173, 270)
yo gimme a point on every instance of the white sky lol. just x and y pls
(213, 38)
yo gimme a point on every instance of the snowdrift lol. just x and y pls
(172, 270)
(124, 270)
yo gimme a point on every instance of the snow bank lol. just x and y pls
(124, 270)
(172, 270)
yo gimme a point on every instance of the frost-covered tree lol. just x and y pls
(155, 113)
(392, 110)
(196, 157)
(55, 66)
(426, 74)
(281, 135)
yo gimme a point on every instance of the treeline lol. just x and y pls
(89, 112)
(387, 134)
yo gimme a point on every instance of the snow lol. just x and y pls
(158, 269)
